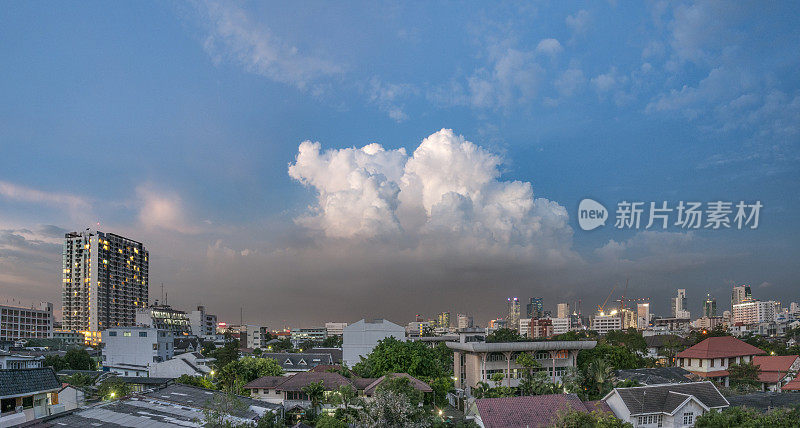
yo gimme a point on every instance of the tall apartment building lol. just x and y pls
(26, 323)
(562, 310)
(741, 294)
(754, 312)
(105, 280)
(443, 320)
(202, 323)
(642, 315)
(464, 321)
(164, 317)
(679, 307)
(513, 312)
(710, 307)
(535, 308)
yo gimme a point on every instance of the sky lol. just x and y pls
(330, 161)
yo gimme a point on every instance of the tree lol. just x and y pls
(345, 397)
(481, 390)
(257, 352)
(80, 379)
(631, 339)
(198, 381)
(79, 359)
(208, 348)
(113, 389)
(749, 418)
(596, 419)
(441, 386)
(226, 354)
(56, 362)
(392, 409)
(600, 375)
(502, 335)
(222, 405)
(247, 369)
(672, 345)
(401, 385)
(744, 377)
(326, 421)
(497, 378)
(315, 392)
(332, 342)
(393, 356)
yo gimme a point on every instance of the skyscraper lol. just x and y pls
(562, 310)
(679, 305)
(105, 280)
(513, 313)
(535, 309)
(443, 320)
(741, 294)
(710, 306)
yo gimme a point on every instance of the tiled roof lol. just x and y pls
(718, 373)
(656, 375)
(530, 411)
(299, 361)
(296, 382)
(793, 385)
(765, 400)
(18, 382)
(416, 383)
(362, 382)
(720, 347)
(667, 398)
(775, 363)
(336, 353)
(660, 340)
(265, 382)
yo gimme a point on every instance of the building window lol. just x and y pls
(712, 362)
(142, 334)
(112, 333)
(126, 333)
(699, 363)
(688, 418)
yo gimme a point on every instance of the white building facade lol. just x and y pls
(754, 312)
(26, 323)
(360, 338)
(202, 323)
(129, 351)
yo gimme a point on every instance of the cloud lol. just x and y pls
(578, 22)
(606, 81)
(512, 78)
(76, 205)
(234, 35)
(549, 47)
(387, 96)
(162, 210)
(570, 82)
(446, 195)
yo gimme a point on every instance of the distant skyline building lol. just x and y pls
(513, 312)
(105, 280)
(642, 315)
(202, 323)
(335, 328)
(535, 308)
(562, 310)
(754, 312)
(710, 307)
(164, 317)
(464, 321)
(741, 294)
(443, 319)
(26, 323)
(679, 305)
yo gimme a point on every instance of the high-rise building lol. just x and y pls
(535, 308)
(443, 320)
(741, 294)
(105, 280)
(513, 312)
(562, 310)
(26, 323)
(464, 321)
(202, 323)
(679, 305)
(710, 307)
(642, 315)
(164, 317)
(754, 312)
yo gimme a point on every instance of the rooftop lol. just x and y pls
(668, 398)
(547, 345)
(22, 382)
(530, 411)
(720, 347)
(656, 375)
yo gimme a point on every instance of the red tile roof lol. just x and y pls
(718, 373)
(416, 383)
(532, 411)
(774, 367)
(720, 347)
(793, 385)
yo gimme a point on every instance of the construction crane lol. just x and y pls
(602, 308)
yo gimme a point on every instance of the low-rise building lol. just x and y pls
(776, 370)
(202, 323)
(540, 328)
(69, 338)
(314, 334)
(475, 362)
(18, 323)
(129, 351)
(28, 394)
(538, 411)
(335, 328)
(671, 405)
(754, 312)
(190, 363)
(603, 323)
(15, 360)
(360, 338)
(711, 358)
(164, 317)
(299, 362)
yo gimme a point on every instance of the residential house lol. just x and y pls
(529, 411)
(129, 351)
(671, 405)
(299, 362)
(661, 346)
(28, 394)
(71, 397)
(657, 375)
(14, 360)
(712, 357)
(776, 370)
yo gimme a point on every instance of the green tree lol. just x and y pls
(198, 381)
(247, 369)
(481, 390)
(744, 377)
(497, 378)
(393, 356)
(327, 421)
(502, 335)
(208, 348)
(79, 359)
(315, 392)
(345, 397)
(332, 342)
(631, 339)
(227, 353)
(600, 376)
(392, 409)
(441, 386)
(401, 385)
(672, 345)
(113, 389)
(80, 379)
(56, 362)
(596, 419)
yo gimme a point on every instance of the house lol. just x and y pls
(657, 375)
(14, 360)
(190, 363)
(129, 351)
(776, 370)
(671, 405)
(711, 358)
(360, 338)
(475, 362)
(71, 397)
(531, 411)
(28, 394)
(661, 344)
(172, 405)
(298, 362)
(184, 344)
(336, 353)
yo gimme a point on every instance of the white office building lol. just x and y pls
(605, 323)
(524, 327)
(360, 338)
(642, 315)
(202, 323)
(560, 325)
(464, 321)
(335, 328)
(129, 351)
(754, 312)
(562, 310)
(26, 323)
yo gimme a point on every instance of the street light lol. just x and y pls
(212, 373)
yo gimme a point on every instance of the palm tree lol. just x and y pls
(315, 392)
(601, 374)
(481, 390)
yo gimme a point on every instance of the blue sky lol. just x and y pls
(176, 123)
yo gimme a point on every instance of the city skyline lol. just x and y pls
(415, 166)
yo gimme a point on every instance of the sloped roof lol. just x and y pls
(529, 411)
(720, 347)
(656, 375)
(667, 398)
(299, 361)
(265, 382)
(416, 383)
(793, 385)
(775, 363)
(764, 401)
(18, 382)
